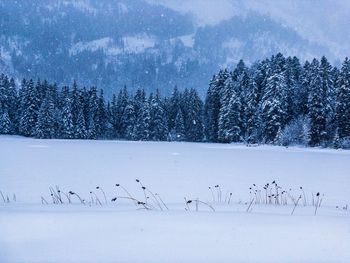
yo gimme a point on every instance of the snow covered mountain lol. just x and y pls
(160, 43)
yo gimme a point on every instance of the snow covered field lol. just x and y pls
(118, 232)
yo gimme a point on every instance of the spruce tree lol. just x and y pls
(129, 119)
(141, 131)
(93, 118)
(194, 117)
(251, 112)
(80, 127)
(225, 122)
(45, 126)
(179, 129)
(273, 109)
(30, 104)
(212, 106)
(343, 101)
(328, 90)
(316, 107)
(67, 131)
(121, 104)
(158, 119)
(174, 104)
(234, 131)
(5, 123)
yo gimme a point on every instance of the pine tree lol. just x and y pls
(102, 113)
(241, 86)
(326, 74)
(141, 130)
(316, 107)
(303, 95)
(76, 102)
(173, 107)
(343, 101)
(93, 118)
(212, 106)
(158, 119)
(292, 75)
(234, 132)
(224, 123)
(129, 119)
(8, 104)
(194, 117)
(113, 117)
(179, 129)
(121, 104)
(273, 110)
(251, 112)
(45, 126)
(30, 104)
(5, 123)
(80, 127)
(67, 119)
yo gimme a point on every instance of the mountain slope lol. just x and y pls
(138, 43)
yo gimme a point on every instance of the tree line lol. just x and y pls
(274, 101)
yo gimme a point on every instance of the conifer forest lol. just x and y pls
(274, 101)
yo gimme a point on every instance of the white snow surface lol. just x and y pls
(118, 232)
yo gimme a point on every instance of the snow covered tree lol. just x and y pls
(102, 115)
(328, 90)
(316, 107)
(292, 80)
(273, 110)
(179, 129)
(173, 106)
(158, 119)
(93, 118)
(121, 103)
(251, 112)
(45, 126)
(343, 101)
(225, 122)
(8, 104)
(194, 117)
(67, 130)
(212, 106)
(30, 104)
(80, 127)
(5, 123)
(141, 130)
(129, 120)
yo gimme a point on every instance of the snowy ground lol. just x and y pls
(32, 232)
